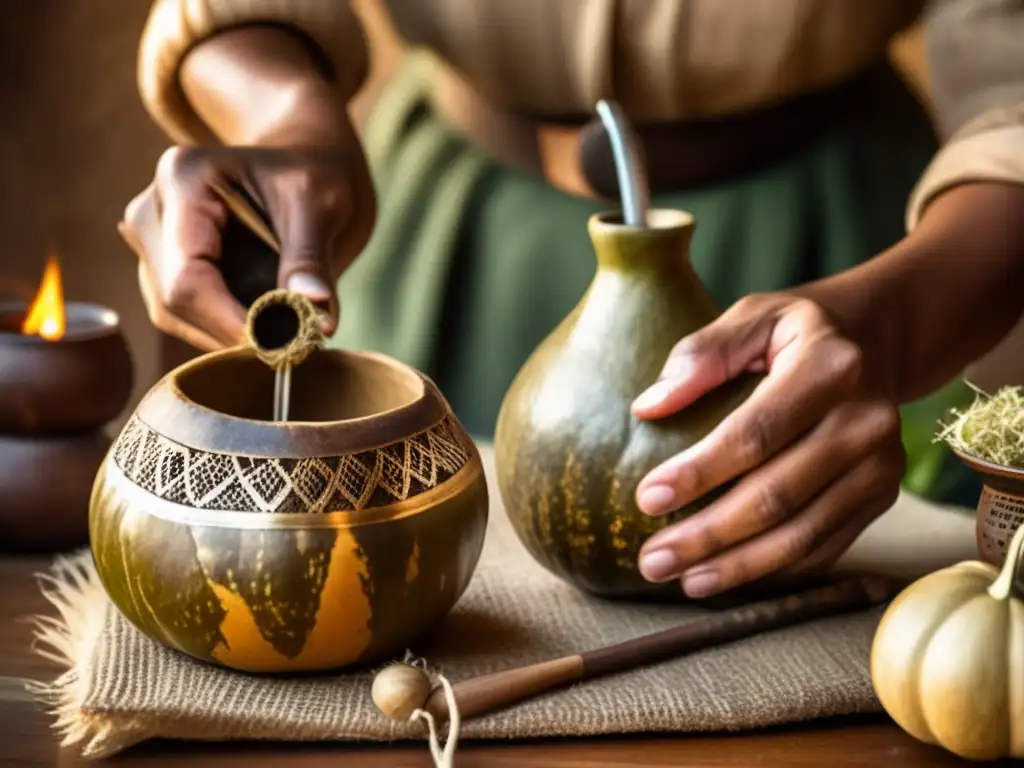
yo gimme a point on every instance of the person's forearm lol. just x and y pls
(263, 86)
(942, 297)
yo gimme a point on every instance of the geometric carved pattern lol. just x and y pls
(356, 481)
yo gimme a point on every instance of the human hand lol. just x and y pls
(816, 449)
(320, 202)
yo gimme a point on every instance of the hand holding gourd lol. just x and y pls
(815, 450)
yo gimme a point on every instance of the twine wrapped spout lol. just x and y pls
(281, 328)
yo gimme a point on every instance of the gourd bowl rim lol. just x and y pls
(167, 409)
(174, 378)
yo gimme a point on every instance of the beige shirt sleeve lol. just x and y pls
(975, 53)
(174, 26)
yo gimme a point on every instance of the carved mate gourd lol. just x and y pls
(334, 538)
(569, 451)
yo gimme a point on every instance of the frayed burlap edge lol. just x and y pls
(70, 639)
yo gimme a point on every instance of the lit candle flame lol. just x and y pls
(46, 315)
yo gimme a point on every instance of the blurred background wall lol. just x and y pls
(75, 146)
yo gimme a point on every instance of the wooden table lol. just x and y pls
(25, 738)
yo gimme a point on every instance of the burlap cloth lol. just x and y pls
(122, 688)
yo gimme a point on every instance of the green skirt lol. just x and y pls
(472, 263)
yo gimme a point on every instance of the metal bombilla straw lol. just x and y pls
(282, 392)
(634, 189)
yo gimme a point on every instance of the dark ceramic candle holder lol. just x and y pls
(55, 398)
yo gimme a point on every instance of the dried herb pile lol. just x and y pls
(991, 428)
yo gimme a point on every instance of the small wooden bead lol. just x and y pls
(399, 690)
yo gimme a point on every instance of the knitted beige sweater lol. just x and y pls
(661, 59)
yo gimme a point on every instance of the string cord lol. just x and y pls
(443, 757)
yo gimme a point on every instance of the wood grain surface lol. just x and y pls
(26, 740)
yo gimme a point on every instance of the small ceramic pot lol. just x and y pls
(75, 383)
(332, 539)
(1000, 508)
(55, 398)
(45, 482)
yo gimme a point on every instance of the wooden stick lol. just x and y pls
(247, 212)
(250, 258)
(486, 693)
